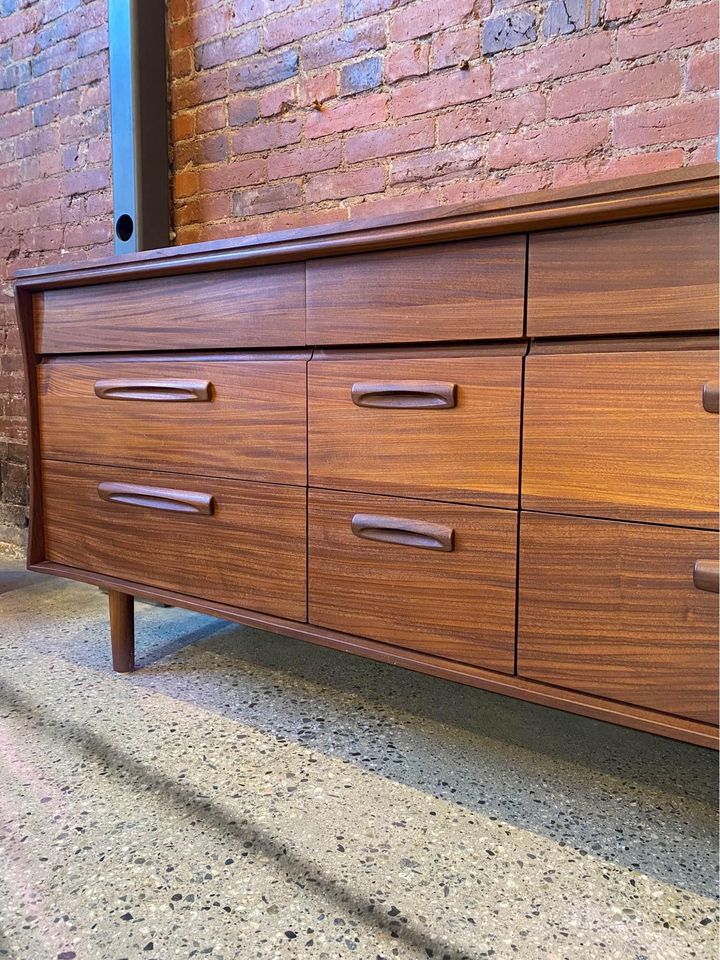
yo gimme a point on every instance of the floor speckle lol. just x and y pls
(249, 796)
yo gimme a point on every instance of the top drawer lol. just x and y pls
(468, 290)
(648, 275)
(254, 307)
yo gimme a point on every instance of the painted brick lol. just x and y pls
(513, 29)
(561, 58)
(408, 60)
(347, 115)
(441, 90)
(426, 16)
(360, 76)
(668, 31)
(341, 185)
(588, 94)
(648, 125)
(495, 114)
(565, 140)
(263, 71)
(390, 141)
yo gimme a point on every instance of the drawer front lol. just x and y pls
(255, 307)
(623, 435)
(656, 275)
(216, 418)
(433, 577)
(451, 291)
(443, 429)
(236, 543)
(612, 609)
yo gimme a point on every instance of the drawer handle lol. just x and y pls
(157, 498)
(405, 394)
(174, 391)
(408, 533)
(706, 575)
(711, 397)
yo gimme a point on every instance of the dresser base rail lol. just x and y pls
(122, 592)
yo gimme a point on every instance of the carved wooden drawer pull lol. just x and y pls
(706, 575)
(407, 533)
(407, 394)
(711, 397)
(157, 498)
(174, 391)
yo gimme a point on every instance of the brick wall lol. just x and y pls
(287, 112)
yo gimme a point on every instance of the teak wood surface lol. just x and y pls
(467, 453)
(622, 435)
(252, 426)
(420, 290)
(611, 609)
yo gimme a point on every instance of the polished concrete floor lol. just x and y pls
(248, 796)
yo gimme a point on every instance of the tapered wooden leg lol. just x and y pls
(122, 631)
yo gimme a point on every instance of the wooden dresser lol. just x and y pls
(478, 442)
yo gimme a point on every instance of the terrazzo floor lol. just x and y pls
(248, 796)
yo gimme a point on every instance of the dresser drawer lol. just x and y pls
(623, 435)
(621, 611)
(443, 428)
(236, 543)
(252, 307)
(648, 275)
(438, 578)
(468, 290)
(210, 417)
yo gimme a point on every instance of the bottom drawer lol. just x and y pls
(617, 610)
(223, 540)
(434, 577)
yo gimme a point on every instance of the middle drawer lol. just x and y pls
(215, 416)
(437, 427)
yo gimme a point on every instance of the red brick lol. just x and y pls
(201, 150)
(352, 41)
(434, 164)
(702, 71)
(279, 100)
(507, 113)
(200, 89)
(242, 110)
(183, 126)
(626, 9)
(266, 135)
(561, 58)
(441, 90)
(226, 50)
(584, 171)
(388, 141)
(269, 197)
(668, 31)
(690, 120)
(472, 191)
(212, 116)
(453, 46)
(87, 234)
(247, 11)
(186, 183)
(427, 16)
(408, 60)
(704, 153)
(321, 87)
(391, 204)
(347, 115)
(181, 63)
(559, 142)
(85, 181)
(656, 81)
(228, 176)
(304, 22)
(305, 159)
(343, 184)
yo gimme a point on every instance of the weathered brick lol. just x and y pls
(565, 140)
(441, 90)
(272, 196)
(569, 16)
(510, 30)
(668, 31)
(357, 9)
(242, 110)
(201, 150)
(451, 47)
(92, 41)
(647, 125)
(305, 159)
(226, 50)
(390, 141)
(84, 71)
(266, 135)
(229, 176)
(279, 99)
(263, 71)
(625, 9)
(199, 89)
(351, 41)
(347, 115)
(562, 58)
(583, 171)
(343, 184)
(211, 116)
(318, 88)
(363, 75)
(284, 29)
(495, 114)
(702, 71)
(408, 60)
(426, 16)
(588, 94)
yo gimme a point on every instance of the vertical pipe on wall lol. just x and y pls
(139, 124)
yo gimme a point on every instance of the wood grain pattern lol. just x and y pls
(571, 701)
(621, 435)
(452, 291)
(647, 275)
(468, 453)
(610, 608)
(121, 608)
(252, 428)
(250, 552)
(459, 605)
(256, 307)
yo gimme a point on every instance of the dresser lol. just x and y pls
(478, 442)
